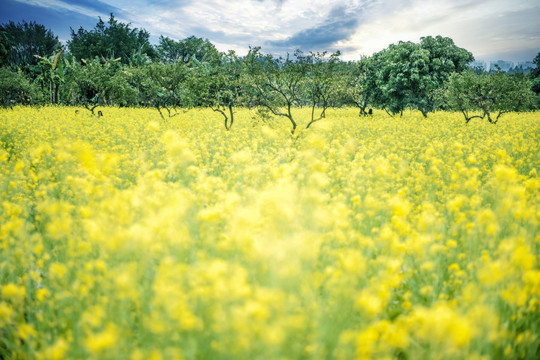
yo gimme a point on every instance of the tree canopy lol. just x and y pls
(21, 42)
(185, 50)
(110, 40)
(407, 74)
(480, 96)
(115, 64)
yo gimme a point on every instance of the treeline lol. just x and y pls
(115, 65)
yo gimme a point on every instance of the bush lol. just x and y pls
(15, 89)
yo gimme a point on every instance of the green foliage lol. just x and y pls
(407, 75)
(15, 89)
(506, 93)
(221, 85)
(51, 75)
(535, 79)
(111, 40)
(185, 50)
(164, 86)
(323, 86)
(99, 82)
(277, 83)
(5, 48)
(22, 42)
(498, 92)
(114, 64)
(360, 85)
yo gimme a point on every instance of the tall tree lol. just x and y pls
(407, 74)
(24, 42)
(184, 50)
(110, 40)
(535, 79)
(5, 49)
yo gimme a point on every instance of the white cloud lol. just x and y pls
(484, 27)
(62, 6)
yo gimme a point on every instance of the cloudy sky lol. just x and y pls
(490, 29)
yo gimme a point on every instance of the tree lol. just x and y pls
(185, 50)
(112, 40)
(99, 82)
(407, 75)
(497, 92)
(221, 86)
(277, 82)
(23, 41)
(5, 49)
(322, 82)
(535, 79)
(393, 70)
(461, 94)
(505, 93)
(15, 89)
(360, 84)
(164, 87)
(52, 73)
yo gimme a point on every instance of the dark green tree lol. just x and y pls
(394, 71)
(110, 40)
(24, 42)
(16, 89)
(5, 49)
(407, 75)
(185, 50)
(535, 79)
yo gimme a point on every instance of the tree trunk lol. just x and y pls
(232, 117)
(290, 117)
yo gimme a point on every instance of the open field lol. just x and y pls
(128, 236)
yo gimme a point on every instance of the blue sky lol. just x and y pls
(490, 29)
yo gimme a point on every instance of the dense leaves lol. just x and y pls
(15, 89)
(480, 96)
(114, 64)
(110, 40)
(185, 50)
(535, 79)
(222, 87)
(407, 75)
(21, 42)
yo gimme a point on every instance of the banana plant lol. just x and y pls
(52, 74)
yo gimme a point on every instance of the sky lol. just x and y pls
(490, 29)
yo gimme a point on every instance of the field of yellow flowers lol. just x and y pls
(132, 237)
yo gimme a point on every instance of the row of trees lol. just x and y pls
(114, 64)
